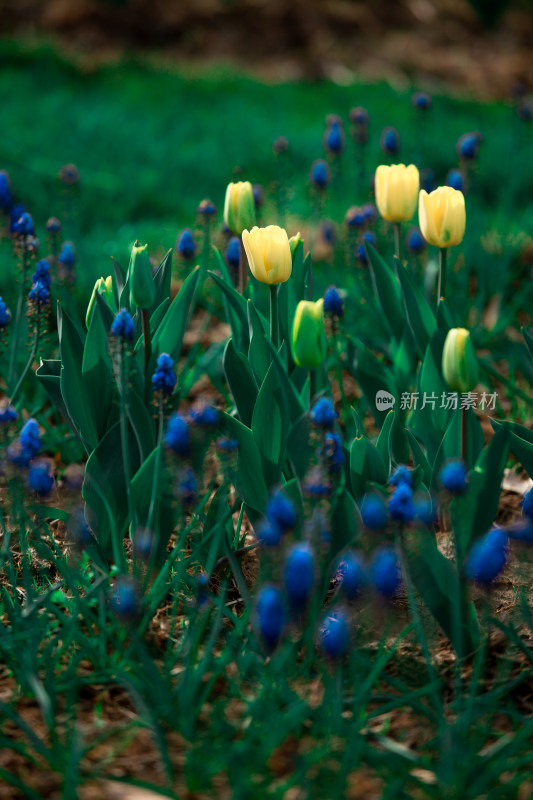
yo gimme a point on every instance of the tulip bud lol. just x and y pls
(239, 207)
(105, 289)
(308, 335)
(396, 190)
(294, 243)
(142, 287)
(442, 216)
(459, 364)
(269, 254)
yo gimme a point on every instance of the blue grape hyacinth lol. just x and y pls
(299, 574)
(401, 474)
(374, 511)
(351, 574)
(270, 614)
(319, 174)
(384, 572)
(281, 511)
(186, 246)
(123, 326)
(323, 413)
(40, 479)
(527, 504)
(164, 377)
(453, 476)
(333, 303)
(177, 436)
(5, 315)
(487, 556)
(334, 633)
(233, 252)
(401, 504)
(390, 141)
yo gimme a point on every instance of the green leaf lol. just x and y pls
(239, 306)
(97, 371)
(374, 376)
(270, 426)
(241, 382)
(451, 441)
(142, 424)
(169, 336)
(429, 422)
(419, 457)
(259, 352)
(520, 443)
(299, 449)
(49, 373)
(528, 338)
(366, 466)
(162, 280)
(77, 394)
(420, 316)
(437, 581)
(250, 480)
(388, 292)
(345, 523)
(479, 506)
(383, 444)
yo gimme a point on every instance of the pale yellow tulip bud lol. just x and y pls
(459, 363)
(442, 216)
(269, 254)
(239, 207)
(396, 188)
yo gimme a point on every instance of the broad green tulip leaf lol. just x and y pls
(366, 466)
(437, 582)
(520, 442)
(239, 305)
(259, 352)
(79, 397)
(388, 292)
(49, 373)
(250, 481)
(299, 449)
(241, 382)
(429, 420)
(142, 423)
(119, 281)
(420, 316)
(169, 336)
(384, 442)
(451, 441)
(97, 371)
(162, 280)
(270, 424)
(345, 524)
(374, 377)
(477, 509)
(419, 457)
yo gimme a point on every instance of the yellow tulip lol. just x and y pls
(269, 254)
(442, 216)
(239, 207)
(396, 189)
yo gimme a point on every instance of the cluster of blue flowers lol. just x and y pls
(186, 246)
(164, 377)
(319, 175)
(41, 281)
(123, 326)
(5, 315)
(390, 141)
(334, 136)
(8, 414)
(323, 413)
(27, 445)
(233, 252)
(40, 478)
(23, 225)
(333, 302)
(67, 258)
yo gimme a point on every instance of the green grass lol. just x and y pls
(151, 141)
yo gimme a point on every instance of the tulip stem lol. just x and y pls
(397, 238)
(443, 260)
(464, 435)
(147, 338)
(243, 274)
(274, 315)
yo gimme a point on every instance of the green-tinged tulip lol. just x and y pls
(459, 363)
(269, 254)
(442, 216)
(142, 287)
(308, 336)
(396, 189)
(103, 287)
(239, 207)
(294, 244)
